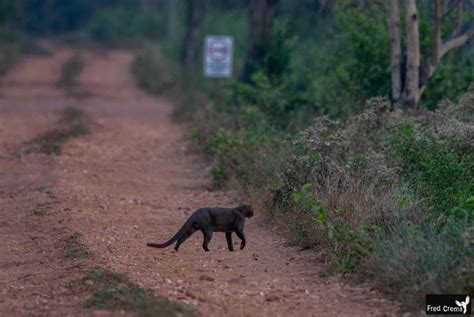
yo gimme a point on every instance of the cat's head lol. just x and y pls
(247, 209)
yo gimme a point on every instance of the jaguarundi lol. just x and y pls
(210, 220)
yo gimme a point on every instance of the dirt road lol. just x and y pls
(133, 179)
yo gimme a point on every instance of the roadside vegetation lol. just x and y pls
(151, 61)
(70, 71)
(10, 44)
(8, 57)
(72, 123)
(115, 292)
(312, 135)
(74, 248)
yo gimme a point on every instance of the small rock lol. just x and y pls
(272, 298)
(206, 278)
(234, 280)
(190, 294)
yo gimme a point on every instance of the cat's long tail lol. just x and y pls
(181, 232)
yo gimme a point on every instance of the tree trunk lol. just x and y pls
(395, 48)
(195, 14)
(439, 49)
(412, 85)
(261, 22)
(411, 92)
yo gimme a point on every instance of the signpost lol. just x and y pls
(218, 51)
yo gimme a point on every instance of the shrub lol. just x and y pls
(108, 26)
(115, 291)
(70, 71)
(433, 168)
(153, 72)
(388, 195)
(419, 259)
(10, 42)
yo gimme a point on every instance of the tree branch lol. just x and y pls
(451, 8)
(457, 41)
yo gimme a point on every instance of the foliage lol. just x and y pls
(273, 58)
(70, 70)
(108, 26)
(368, 65)
(71, 124)
(350, 62)
(435, 169)
(55, 16)
(74, 248)
(378, 186)
(9, 56)
(115, 291)
(153, 72)
(419, 259)
(452, 77)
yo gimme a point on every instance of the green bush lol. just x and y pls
(70, 72)
(415, 260)
(11, 46)
(153, 72)
(114, 291)
(387, 195)
(121, 25)
(8, 58)
(434, 169)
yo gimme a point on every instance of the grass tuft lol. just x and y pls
(71, 124)
(71, 69)
(74, 248)
(114, 291)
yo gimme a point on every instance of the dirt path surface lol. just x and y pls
(133, 179)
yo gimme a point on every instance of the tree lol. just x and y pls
(261, 22)
(409, 79)
(195, 14)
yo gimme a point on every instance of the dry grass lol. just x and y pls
(72, 123)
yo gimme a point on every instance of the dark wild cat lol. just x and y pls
(210, 220)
